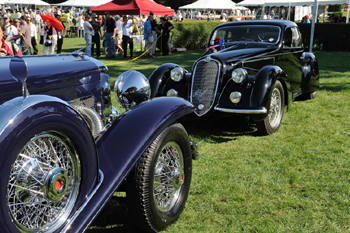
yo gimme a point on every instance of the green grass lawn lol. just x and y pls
(296, 180)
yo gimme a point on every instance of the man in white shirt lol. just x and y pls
(88, 34)
(11, 32)
(38, 21)
(34, 36)
(127, 39)
(119, 36)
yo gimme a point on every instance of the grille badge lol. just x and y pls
(207, 59)
(200, 107)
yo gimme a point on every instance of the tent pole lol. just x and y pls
(347, 17)
(313, 26)
(262, 12)
(290, 5)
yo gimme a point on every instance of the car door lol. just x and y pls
(289, 59)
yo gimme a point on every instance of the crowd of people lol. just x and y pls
(21, 35)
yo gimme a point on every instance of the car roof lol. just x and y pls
(274, 22)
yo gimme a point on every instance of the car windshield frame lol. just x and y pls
(245, 27)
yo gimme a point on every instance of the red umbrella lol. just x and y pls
(54, 22)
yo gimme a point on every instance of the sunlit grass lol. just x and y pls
(296, 180)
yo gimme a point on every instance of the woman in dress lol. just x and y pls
(50, 38)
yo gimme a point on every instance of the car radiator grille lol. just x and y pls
(204, 85)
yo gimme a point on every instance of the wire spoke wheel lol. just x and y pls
(275, 108)
(168, 176)
(44, 183)
(158, 186)
(273, 120)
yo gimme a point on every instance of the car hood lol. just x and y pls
(241, 51)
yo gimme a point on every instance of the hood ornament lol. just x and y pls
(19, 72)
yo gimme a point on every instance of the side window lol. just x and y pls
(287, 39)
(296, 38)
(292, 38)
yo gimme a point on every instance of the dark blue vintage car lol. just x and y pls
(65, 150)
(251, 68)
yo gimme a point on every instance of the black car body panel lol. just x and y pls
(267, 50)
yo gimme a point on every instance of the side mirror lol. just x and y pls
(19, 72)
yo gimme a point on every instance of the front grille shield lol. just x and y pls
(204, 85)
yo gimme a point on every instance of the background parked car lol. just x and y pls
(251, 68)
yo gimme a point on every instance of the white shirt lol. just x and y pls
(37, 18)
(87, 27)
(80, 23)
(11, 31)
(19, 14)
(33, 31)
(127, 29)
(119, 26)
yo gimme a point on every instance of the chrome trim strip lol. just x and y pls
(66, 228)
(244, 111)
(217, 82)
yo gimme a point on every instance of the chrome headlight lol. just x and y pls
(131, 88)
(171, 92)
(177, 74)
(239, 75)
(235, 97)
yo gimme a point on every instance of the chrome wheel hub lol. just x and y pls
(44, 184)
(169, 176)
(56, 184)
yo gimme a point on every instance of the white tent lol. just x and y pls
(210, 4)
(83, 3)
(251, 3)
(27, 2)
(286, 3)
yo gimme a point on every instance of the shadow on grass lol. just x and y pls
(114, 217)
(335, 87)
(219, 129)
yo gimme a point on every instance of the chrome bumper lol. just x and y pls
(243, 111)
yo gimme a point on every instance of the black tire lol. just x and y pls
(273, 120)
(149, 214)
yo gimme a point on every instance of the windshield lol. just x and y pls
(263, 33)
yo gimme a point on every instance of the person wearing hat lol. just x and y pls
(6, 47)
(96, 25)
(110, 33)
(11, 34)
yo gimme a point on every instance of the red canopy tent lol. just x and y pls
(131, 7)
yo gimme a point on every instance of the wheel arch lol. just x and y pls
(158, 78)
(264, 81)
(24, 118)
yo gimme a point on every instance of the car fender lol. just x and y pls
(158, 78)
(264, 81)
(121, 146)
(28, 116)
(310, 73)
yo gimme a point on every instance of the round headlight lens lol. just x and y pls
(171, 92)
(177, 74)
(238, 75)
(235, 97)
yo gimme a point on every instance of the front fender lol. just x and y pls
(264, 81)
(158, 78)
(21, 119)
(121, 146)
(310, 73)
